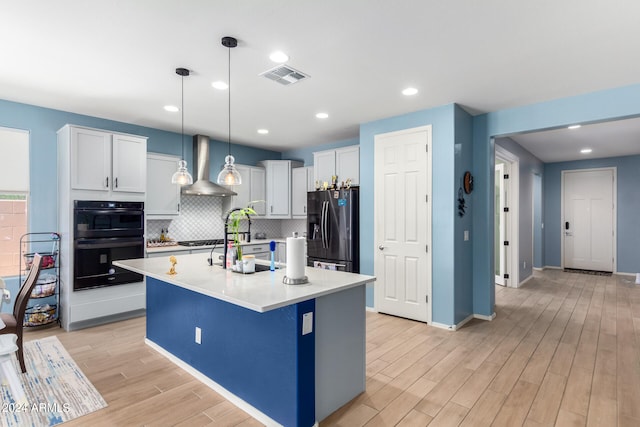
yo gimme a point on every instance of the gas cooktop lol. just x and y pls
(210, 242)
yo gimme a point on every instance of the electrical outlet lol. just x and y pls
(198, 335)
(524, 264)
(466, 235)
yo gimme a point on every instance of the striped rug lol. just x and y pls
(56, 389)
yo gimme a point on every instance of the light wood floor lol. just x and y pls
(563, 350)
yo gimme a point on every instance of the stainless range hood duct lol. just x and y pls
(203, 186)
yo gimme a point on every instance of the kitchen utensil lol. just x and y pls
(272, 248)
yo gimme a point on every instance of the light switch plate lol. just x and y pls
(466, 235)
(198, 335)
(307, 323)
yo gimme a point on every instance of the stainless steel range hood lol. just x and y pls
(203, 186)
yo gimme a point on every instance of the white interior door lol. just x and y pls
(402, 215)
(588, 223)
(500, 226)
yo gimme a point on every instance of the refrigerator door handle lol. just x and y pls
(325, 220)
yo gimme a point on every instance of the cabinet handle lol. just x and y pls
(271, 208)
(178, 207)
(106, 184)
(116, 182)
(305, 209)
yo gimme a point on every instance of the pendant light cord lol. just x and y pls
(182, 111)
(229, 99)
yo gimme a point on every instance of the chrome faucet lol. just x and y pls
(226, 234)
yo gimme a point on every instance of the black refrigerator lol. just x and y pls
(333, 230)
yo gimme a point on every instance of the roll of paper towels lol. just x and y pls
(295, 257)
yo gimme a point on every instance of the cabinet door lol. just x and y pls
(258, 187)
(311, 183)
(348, 164)
(299, 192)
(90, 159)
(324, 166)
(129, 164)
(279, 189)
(163, 197)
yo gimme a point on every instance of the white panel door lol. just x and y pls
(500, 226)
(588, 223)
(402, 170)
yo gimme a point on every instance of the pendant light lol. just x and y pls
(229, 175)
(182, 175)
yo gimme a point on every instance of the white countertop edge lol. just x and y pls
(261, 308)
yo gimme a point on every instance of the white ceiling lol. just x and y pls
(609, 139)
(116, 59)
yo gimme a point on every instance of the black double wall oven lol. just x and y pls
(104, 232)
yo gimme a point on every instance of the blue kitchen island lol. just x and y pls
(287, 354)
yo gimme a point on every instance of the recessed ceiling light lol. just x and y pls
(410, 91)
(220, 85)
(171, 108)
(263, 131)
(279, 57)
(586, 150)
(322, 115)
(574, 126)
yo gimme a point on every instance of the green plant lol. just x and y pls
(234, 219)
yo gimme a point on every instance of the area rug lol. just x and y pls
(591, 272)
(56, 389)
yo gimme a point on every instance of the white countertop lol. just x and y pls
(261, 291)
(180, 248)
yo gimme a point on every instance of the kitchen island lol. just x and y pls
(288, 355)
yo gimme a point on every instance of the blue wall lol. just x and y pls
(306, 154)
(443, 197)
(594, 107)
(463, 260)
(628, 231)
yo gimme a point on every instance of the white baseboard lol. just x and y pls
(371, 309)
(552, 267)
(249, 409)
(625, 274)
(538, 268)
(483, 317)
(460, 324)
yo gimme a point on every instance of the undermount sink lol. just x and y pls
(259, 267)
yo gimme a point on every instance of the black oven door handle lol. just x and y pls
(107, 243)
(114, 211)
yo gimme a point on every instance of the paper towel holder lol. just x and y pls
(290, 281)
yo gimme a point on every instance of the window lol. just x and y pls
(14, 192)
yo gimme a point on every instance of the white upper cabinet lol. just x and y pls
(301, 179)
(342, 162)
(278, 187)
(106, 161)
(348, 164)
(324, 166)
(90, 159)
(129, 173)
(252, 189)
(163, 197)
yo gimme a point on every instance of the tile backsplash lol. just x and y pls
(201, 218)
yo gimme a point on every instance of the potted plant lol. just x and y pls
(233, 222)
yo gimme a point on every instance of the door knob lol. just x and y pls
(381, 247)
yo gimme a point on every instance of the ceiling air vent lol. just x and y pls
(284, 75)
